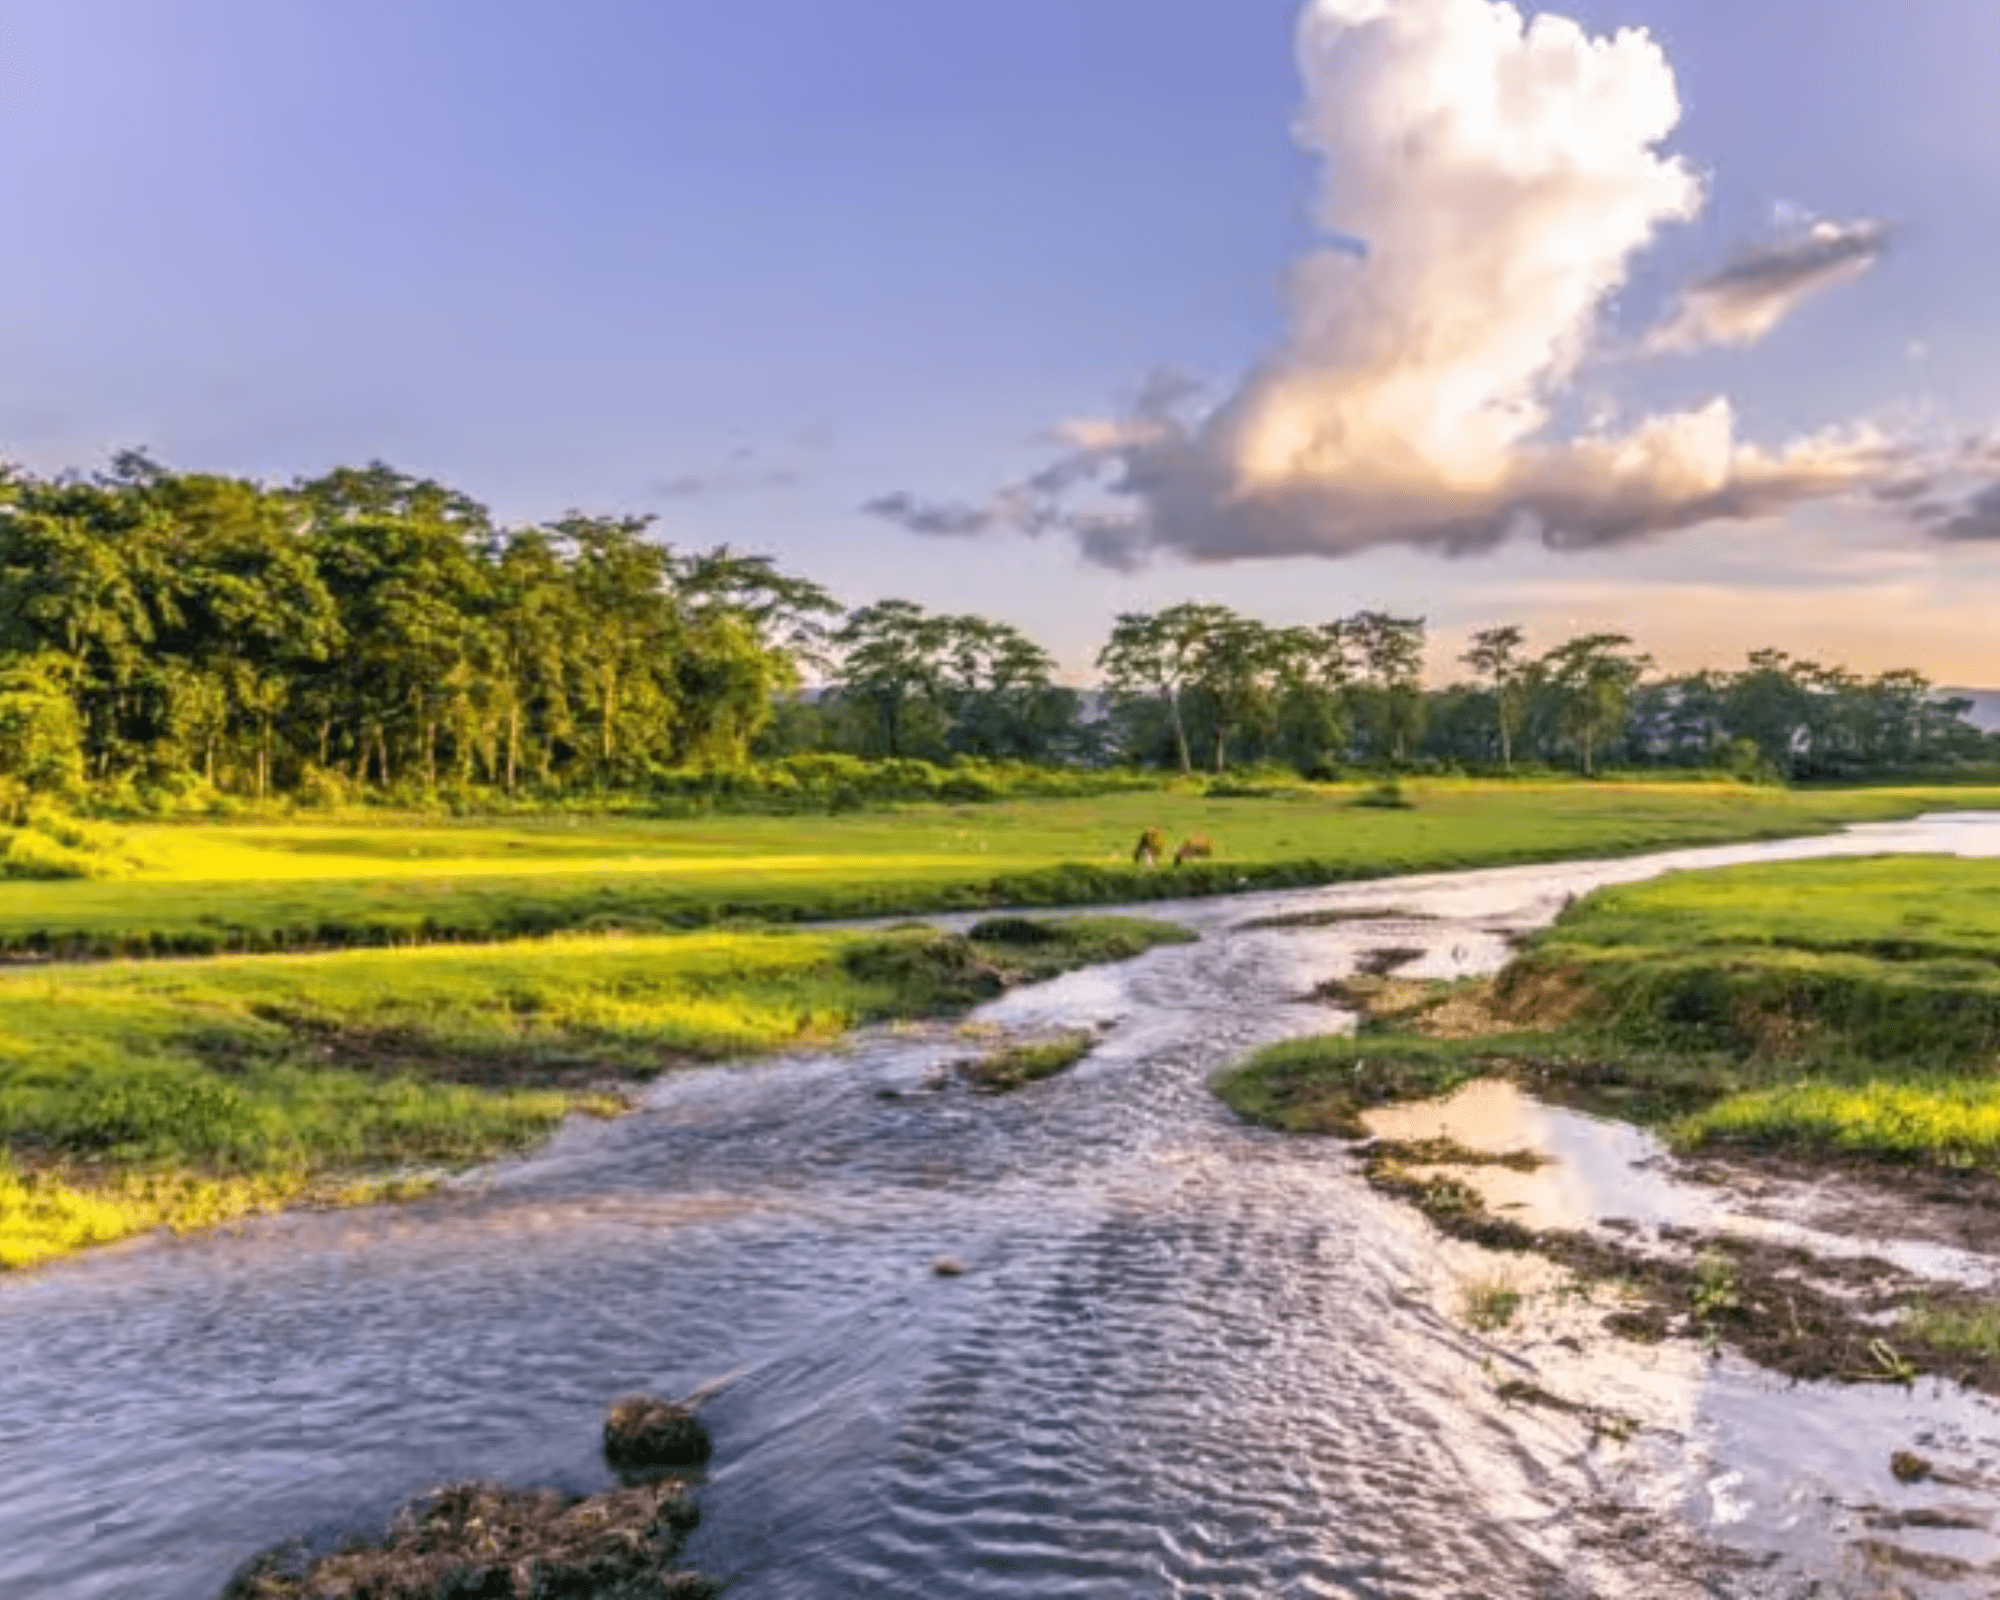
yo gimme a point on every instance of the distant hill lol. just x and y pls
(1985, 712)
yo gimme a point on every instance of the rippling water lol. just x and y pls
(1185, 1358)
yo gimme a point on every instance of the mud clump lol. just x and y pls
(1909, 1467)
(481, 1541)
(643, 1434)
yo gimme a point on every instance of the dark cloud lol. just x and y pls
(1975, 519)
(1750, 296)
(941, 519)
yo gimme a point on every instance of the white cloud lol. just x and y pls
(1504, 173)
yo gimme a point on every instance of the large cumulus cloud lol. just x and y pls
(1489, 181)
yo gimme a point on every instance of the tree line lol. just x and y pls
(370, 632)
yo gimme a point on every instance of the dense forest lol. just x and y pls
(173, 639)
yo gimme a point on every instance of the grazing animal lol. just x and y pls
(1151, 846)
(1196, 847)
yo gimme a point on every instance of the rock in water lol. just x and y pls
(643, 1434)
(495, 1543)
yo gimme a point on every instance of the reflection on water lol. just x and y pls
(1186, 1358)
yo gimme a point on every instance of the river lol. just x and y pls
(1184, 1357)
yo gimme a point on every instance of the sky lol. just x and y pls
(1658, 316)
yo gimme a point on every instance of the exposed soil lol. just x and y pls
(1811, 1317)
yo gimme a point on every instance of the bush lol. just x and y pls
(55, 846)
(1388, 795)
(35, 855)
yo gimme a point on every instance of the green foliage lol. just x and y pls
(53, 847)
(41, 736)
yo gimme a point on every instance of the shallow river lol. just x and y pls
(1185, 1358)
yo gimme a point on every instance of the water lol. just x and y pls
(1186, 1358)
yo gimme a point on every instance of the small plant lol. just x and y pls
(1716, 1287)
(1016, 1066)
(1388, 795)
(1891, 1366)
(1450, 1197)
(1490, 1304)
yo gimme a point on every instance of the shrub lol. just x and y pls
(35, 855)
(1388, 795)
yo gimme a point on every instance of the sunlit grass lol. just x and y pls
(185, 1092)
(1952, 1121)
(1850, 1008)
(213, 887)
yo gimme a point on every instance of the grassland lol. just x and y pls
(1843, 1008)
(186, 1092)
(213, 888)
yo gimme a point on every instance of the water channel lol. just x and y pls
(1185, 1357)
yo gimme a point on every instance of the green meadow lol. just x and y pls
(1849, 1008)
(182, 1093)
(210, 888)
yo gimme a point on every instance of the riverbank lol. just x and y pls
(185, 1094)
(201, 889)
(1810, 1020)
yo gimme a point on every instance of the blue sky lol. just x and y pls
(749, 266)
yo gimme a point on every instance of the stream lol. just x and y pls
(1184, 1358)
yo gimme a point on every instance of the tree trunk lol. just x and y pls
(1180, 733)
(610, 711)
(513, 744)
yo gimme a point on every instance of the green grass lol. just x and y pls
(184, 1092)
(1323, 1084)
(209, 888)
(1972, 1329)
(1016, 1066)
(1850, 1008)
(1490, 1304)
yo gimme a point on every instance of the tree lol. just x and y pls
(1160, 655)
(1496, 656)
(41, 739)
(1593, 678)
(1389, 653)
(891, 657)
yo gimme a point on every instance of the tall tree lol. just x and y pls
(1593, 677)
(1496, 655)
